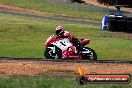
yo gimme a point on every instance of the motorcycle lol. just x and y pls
(63, 48)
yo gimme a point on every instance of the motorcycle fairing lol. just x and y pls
(62, 44)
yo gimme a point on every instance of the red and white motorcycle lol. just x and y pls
(62, 48)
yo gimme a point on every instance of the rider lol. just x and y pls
(61, 33)
(65, 34)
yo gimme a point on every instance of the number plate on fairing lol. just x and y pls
(63, 44)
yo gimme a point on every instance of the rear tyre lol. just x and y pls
(93, 56)
(48, 53)
(90, 56)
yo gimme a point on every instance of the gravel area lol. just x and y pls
(14, 67)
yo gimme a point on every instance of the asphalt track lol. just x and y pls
(3, 11)
(6, 59)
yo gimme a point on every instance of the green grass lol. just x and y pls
(51, 82)
(25, 37)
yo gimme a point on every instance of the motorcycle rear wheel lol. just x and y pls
(48, 53)
(93, 55)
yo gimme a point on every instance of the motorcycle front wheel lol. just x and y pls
(48, 53)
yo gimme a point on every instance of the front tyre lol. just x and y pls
(48, 53)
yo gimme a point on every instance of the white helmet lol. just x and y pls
(59, 30)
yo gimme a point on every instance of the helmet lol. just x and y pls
(59, 30)
(59, 27)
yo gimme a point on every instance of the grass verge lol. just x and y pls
(51, 82)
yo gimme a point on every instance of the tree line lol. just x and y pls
(127, 3)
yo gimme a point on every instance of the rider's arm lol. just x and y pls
(67, 34)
